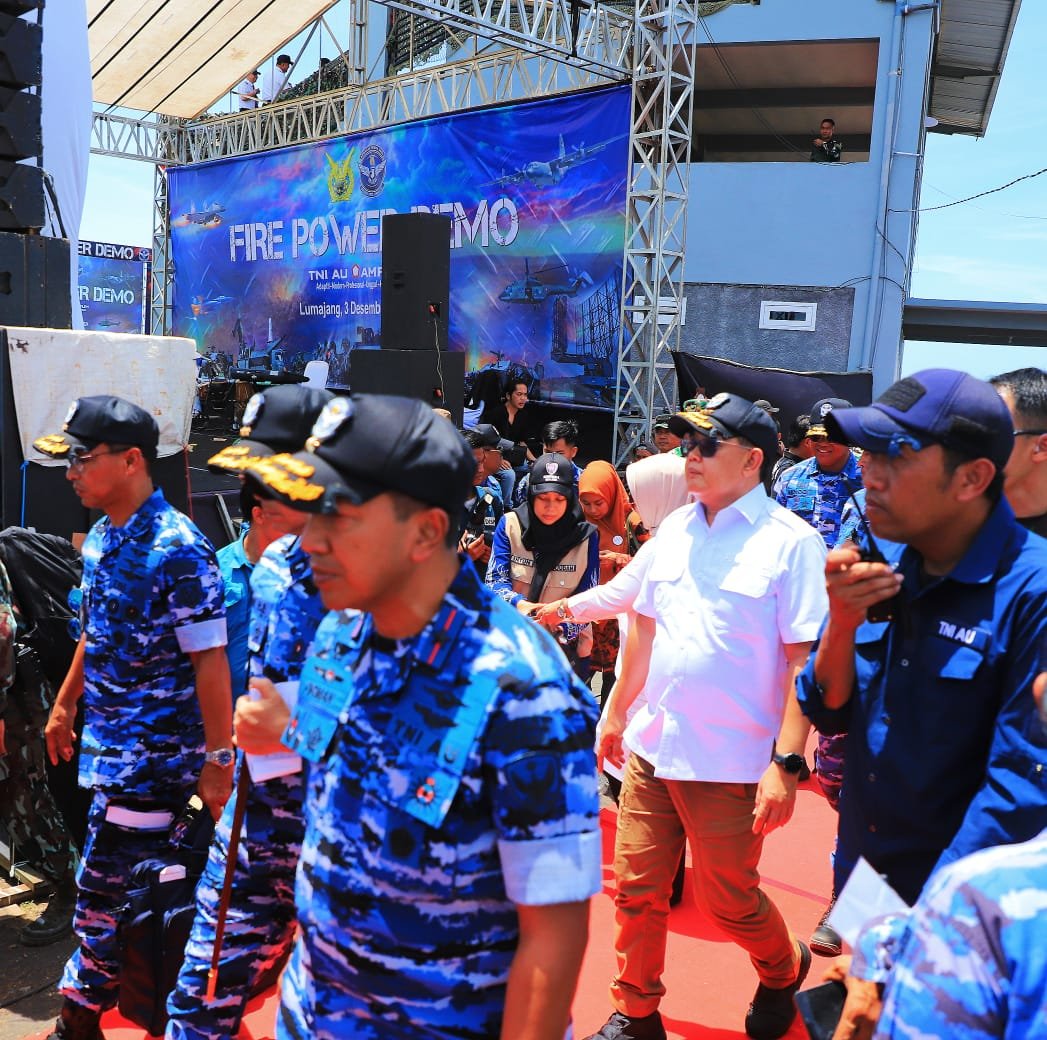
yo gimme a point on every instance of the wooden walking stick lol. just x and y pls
(239, 808)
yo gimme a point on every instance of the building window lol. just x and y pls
(765, 102)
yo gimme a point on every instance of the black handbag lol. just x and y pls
(157, 919)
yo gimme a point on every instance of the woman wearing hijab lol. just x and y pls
(605, 504)
(545, 550)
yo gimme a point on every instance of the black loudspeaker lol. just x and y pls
(412, 373)
(416, 280)
(21, 187)
(34, 279)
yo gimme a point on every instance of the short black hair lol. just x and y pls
(249, 499)
(404, 506)
(954, 458)
(512, 383)
(830, 121)
(561, 429)
(473, 439)
(797, 431)
(1028, 389)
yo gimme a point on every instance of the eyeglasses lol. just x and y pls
(80, 461)
(707, 446)
(1029, 433)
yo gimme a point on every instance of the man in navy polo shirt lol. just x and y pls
(944, 752)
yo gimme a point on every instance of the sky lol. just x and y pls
(994, 248)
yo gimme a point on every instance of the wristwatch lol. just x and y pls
(791, 763)
(563, 611)
(222, 756)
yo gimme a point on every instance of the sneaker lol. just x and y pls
(772, 1011)
(825, 940)
(627, 1027)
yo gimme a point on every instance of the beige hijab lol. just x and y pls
(658, 487)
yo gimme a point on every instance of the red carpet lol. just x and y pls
(709, 980)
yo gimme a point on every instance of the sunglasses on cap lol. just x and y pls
(707, 447)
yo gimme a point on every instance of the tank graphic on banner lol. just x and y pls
(278, 255)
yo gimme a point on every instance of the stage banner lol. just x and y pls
(114, 286)
(278, 255)
(793, 393)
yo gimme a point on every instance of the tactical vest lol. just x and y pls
(563, 579)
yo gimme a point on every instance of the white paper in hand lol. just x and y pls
(865, 896)
(280, 763)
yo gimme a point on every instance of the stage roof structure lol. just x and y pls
(176, 58)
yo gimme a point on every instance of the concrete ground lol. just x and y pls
(28, 1000)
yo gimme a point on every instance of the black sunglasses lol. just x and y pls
(707, 446)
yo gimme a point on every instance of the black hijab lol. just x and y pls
(549, 543)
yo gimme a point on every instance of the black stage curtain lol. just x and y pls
(792, 392)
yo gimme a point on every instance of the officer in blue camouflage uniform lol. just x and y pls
(152, 669)
(817, 488)
(451, 843)
(285, 611)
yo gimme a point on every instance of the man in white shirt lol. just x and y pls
(730, 602)
(247, 91)
(277, 79)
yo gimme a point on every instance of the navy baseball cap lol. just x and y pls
(552, 472)
(365, 444)
(935, 406)
(661, 422)
(279, 419)
(820, 410)
(102, 419)
(728, 415)
(491, 438)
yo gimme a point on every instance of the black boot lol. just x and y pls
(56, 922)
(77, 1023)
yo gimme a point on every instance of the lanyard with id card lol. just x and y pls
(325, 691)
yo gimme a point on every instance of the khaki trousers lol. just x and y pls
(654, 816)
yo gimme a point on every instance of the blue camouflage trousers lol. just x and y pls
(111, 852)
(260, 921)
(829, 762)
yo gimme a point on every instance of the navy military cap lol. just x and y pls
(819, 410)
(491, 438)
(102, 419)
(728, 415)
(934, 406)
(275, 420)
(366, 444)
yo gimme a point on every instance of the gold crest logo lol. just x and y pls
(341, 179)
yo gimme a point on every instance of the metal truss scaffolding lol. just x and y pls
(656, 217)
(557, 46)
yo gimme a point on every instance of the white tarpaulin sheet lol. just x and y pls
(50, 368)
(178, 58)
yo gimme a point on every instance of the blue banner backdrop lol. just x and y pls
(114, 286)
(277, 256)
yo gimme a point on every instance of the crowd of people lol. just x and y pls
(442, 645)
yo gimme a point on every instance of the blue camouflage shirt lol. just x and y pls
(236, 577)
(287, 612)
(816, 496)
(973, 960)
(408, 929)
(151, 594)
(945, 754)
